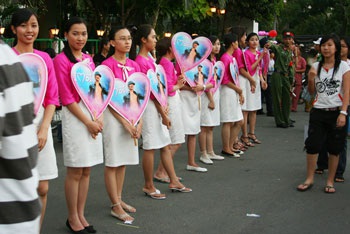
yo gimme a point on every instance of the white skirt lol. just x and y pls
(79, 148)
(210, 118)
(177, 134)
(155, 135)
(47, 165)
(191, 114)
(230, 108)
(252, 101)
(118, 147)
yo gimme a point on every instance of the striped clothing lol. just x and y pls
(19, 203)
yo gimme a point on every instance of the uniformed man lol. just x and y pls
(282, 80)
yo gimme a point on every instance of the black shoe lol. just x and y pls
(291, 120)
(282, 125)
(291, 125)
(90, 229)
(270, 114)
(226, 154)
(83, 231)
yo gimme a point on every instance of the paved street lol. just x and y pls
(262, 182)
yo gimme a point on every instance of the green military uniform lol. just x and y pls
(281, 81)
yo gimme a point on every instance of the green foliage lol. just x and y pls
(316, 16)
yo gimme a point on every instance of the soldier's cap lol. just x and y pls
(97, 74)
(318, 41)
(288, 34)
(131, 83)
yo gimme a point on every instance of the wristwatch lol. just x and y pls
(344, 112)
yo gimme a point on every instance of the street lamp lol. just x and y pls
(222, 11)
(54, 31)
(167, 34)
(2, 31)
(100, 32)
(213, 9)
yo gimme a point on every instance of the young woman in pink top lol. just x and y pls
(156, 122)
(82, 143)
(210, 110)
(25, 26)
(174, 83)
(231, 99)
(253, 59)
(118, 134)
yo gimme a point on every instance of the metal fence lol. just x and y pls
(91, 46)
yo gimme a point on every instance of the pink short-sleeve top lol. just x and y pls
(226, 59)
(250, 59)
(130, 67)
(238, 55)
(170, 75)
(146, 64)
(63, 67)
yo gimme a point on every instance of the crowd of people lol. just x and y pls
(110, 139)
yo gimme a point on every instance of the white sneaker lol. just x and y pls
(214, 156)
(235, 155)
(205, 159)
(198, 169)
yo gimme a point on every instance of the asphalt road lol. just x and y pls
(262, 182)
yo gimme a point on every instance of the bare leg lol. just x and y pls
(82, 196)
(234, 132)
(209, 136)
(252, 121)
(191, 150)
(165, 156)
(72, 182)
(311, 160)
(161, 172)
(120, 184)
(43, 189)
(225, 137)
(147, 165)
(113, 183)
(245, 124)
(332, 168)
(202, 138)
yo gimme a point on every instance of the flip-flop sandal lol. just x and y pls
(319, 171)
(329, 189)
(339, 179)
(165, 180)
(182, 190)
(305, 187)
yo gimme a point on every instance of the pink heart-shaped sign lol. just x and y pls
(234, 71)
(201, 74)
(159, 85)
(189, 53)
(36, 69)
(218, 74)
(94, 87)
(130, 98)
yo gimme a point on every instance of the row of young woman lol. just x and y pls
(161, 128)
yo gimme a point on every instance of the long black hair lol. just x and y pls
(162, 47)
(111, 37)
(66, 49)
(143, 31)
(213, 39)
(19, 17)
(346, 39)
(337, 56)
